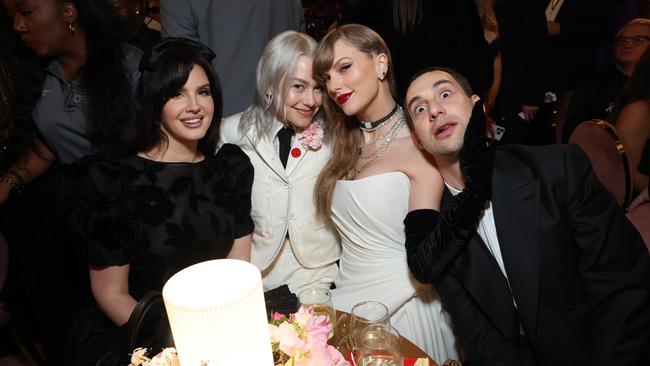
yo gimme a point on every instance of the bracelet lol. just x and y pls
(17, 185)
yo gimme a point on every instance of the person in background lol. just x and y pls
(169, 202)
(576, 30)
(83, 94)
(522, 41)
(282, 133)
(149, 11)
(237, 31)
(556, 275)
(137, 32)
(452, 25)
(87, 87)
(17, 69)
(631, 116)
(491, 35)
(375, 176)
(595, 98)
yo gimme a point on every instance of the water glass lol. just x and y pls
(363, 314)
(369, 313)
(379, 345)
(320, 300)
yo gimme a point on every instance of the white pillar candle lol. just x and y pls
(217, 314)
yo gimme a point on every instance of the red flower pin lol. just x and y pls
(295, 152)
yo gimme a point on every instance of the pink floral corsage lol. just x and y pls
(312, 136)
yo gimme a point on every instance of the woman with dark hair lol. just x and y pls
(87, 86)
(632, 119)
(170, 202)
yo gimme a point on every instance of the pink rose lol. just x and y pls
(290, 341)
(318, 330)
(303, 316)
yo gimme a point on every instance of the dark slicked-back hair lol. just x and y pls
(460, 79)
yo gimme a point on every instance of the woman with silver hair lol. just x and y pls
(282, 134)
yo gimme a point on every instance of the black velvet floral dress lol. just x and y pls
(157, 217)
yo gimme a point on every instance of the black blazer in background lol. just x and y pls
(522, 40)
(578, 270)
(585, 25)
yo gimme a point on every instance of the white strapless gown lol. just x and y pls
(368, 214)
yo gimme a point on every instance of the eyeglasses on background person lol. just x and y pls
(633, 39)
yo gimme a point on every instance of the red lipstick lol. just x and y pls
(341, 99)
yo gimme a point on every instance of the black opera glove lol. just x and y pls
(477, 157)
(435, 240)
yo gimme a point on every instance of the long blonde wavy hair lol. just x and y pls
(344, 130)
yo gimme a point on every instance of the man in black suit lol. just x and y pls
(552, 272)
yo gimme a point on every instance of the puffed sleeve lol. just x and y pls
(239, 169)
(99, 211)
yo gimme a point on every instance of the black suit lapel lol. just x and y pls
(485, 282)
(516, 202)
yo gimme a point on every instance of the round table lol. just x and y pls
(409, 349)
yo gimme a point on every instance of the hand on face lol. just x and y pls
(477, 155)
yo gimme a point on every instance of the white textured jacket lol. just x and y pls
(282, 199)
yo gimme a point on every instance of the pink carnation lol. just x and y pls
(277, 316)
(312, 136)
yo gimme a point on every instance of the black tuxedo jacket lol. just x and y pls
(577, 269)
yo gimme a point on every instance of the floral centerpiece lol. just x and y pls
(299, 340)
(168, 357)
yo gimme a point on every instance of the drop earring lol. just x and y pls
(71, 28)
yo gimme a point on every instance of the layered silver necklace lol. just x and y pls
(397, 117)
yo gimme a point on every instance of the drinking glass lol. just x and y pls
(363, 314)
(379, 345)
(369, 313)
(320, 300)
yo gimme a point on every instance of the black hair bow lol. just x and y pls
(153, 55)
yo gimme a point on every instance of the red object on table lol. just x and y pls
(408, 361)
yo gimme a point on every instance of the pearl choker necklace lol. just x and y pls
(370, 126)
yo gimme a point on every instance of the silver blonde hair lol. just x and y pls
(277, 63)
